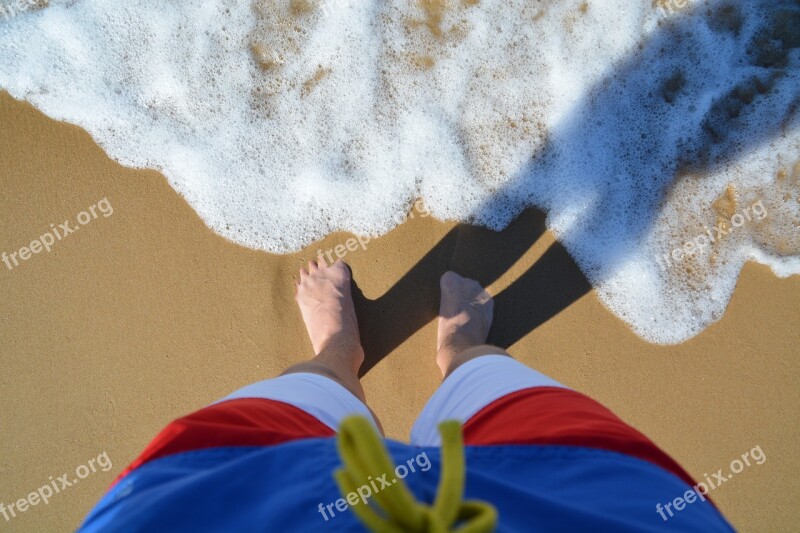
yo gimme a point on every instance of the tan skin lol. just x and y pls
(326, 304)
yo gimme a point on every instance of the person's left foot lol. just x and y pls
(465, 317)
(326, 303)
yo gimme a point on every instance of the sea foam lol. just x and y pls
(637, 128)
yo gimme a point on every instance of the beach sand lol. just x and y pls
(146, 315)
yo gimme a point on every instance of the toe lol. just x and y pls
(449, 280)
(343, 267)
(312, 267)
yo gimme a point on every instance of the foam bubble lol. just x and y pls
(280, 121)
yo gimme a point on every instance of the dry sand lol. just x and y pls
(146, 315)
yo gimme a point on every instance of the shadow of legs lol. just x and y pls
(483, 255)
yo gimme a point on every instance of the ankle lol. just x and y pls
(346, 351)
(448, 352)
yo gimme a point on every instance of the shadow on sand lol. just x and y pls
(551, 285)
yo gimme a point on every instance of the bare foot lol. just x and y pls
(323, 294)
(465, 316)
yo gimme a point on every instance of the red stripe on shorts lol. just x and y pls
(238, 422)
(557, 416)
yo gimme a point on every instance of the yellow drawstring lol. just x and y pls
(364, 455)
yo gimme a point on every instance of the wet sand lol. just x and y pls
(146, 314)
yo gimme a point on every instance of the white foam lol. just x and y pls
(280, 124)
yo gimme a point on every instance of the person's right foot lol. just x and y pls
(465, 316)
(323, 294)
